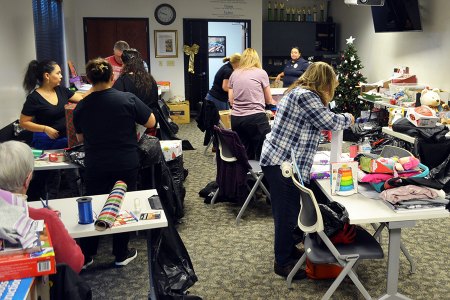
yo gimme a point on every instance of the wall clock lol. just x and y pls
(165, 14)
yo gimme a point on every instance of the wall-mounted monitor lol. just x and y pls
(397, 15)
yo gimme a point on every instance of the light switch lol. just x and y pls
(170, 63)
(160, 63)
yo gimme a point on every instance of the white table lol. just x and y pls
(41, 165)
(363, 210)
(399, 135)
(277, 93)
(69, 216)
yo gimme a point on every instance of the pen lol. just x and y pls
(134, 216)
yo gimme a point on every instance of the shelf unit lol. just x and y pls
(314, 39)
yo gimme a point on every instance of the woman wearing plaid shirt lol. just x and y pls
(302, 114)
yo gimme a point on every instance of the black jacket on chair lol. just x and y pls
(208, 117)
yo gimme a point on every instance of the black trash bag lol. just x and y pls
(171, 200)
(358, 131)
(67, 284)
(75, 154)
(173, 270)
(334, 217)
(177, 170)
(149, 151)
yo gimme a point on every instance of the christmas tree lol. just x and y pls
(349, 75)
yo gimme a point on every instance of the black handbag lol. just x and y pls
(150, 152)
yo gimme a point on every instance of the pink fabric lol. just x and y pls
(408, 192)
(117, 68)
(378, 177)
(66, 249)
(248, 91)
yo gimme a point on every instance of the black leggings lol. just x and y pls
(102, 182)
(252, 130)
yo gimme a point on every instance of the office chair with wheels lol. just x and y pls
(310, 221)
(234, 168)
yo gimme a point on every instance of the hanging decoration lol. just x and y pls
(191, 51)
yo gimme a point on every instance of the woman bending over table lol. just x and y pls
(302, 113)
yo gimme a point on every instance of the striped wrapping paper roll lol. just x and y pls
(112, 206)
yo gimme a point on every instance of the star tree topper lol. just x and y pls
(350, 40)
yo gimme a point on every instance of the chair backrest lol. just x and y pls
(230, 146)
(310, 218)
(224, 150)
(389, 151)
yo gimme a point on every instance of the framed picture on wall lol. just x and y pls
(166, 43)
(217, 46)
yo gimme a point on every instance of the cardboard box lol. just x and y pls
(422, 116)
(179, 112)
(164, 86)
(344, 178)
(23, 265)
(225, 117)
(71, 136)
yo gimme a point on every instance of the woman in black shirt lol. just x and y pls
(135, 79)
(219, 90)
(106, 122)
(43, 111)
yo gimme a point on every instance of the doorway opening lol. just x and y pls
(216, 39)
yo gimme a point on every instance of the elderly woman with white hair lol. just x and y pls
(16, 170)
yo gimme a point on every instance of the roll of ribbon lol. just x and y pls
(85, 210)
(112, 207)
(56, 157)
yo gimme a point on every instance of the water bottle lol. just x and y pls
(365, 147)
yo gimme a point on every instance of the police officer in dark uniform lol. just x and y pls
(294, 68)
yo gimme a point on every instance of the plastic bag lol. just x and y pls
(149, 151)
(335, 216)
(75, 154)
(173, 270)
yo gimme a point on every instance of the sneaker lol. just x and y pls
(87, 262)
(284, 271)
(132, 254)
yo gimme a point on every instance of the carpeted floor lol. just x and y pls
(236, 262)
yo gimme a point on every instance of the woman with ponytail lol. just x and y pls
(219, 90)
(43, 111)
(106, 122)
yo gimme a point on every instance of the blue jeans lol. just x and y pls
(285, 200)
(220, 105)
(41, 141)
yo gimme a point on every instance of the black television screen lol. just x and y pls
(397, 15)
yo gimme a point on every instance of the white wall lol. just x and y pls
(234, 43)
(18, 49)
(426, 53)
(213, 9)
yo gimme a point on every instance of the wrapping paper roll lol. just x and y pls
(112, 206)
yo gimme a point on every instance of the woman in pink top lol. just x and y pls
(249, 92)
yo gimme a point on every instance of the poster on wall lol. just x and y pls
(166, 43)
(217, 46)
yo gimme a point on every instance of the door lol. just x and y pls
(100, 34)
(196, 84)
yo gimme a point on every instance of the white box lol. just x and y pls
(422, 116)
(171, 149)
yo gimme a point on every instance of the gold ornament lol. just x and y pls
(191, 51)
